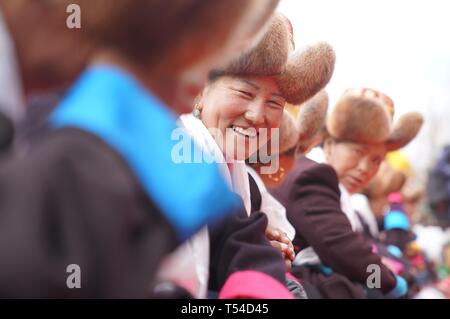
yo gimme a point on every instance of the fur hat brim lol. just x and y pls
(301, 132)
(311, 120)
(288, 133)
(404, 131)
(307, 72)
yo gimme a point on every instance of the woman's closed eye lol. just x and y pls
(276, 104)
(245, 94)
(358, 151)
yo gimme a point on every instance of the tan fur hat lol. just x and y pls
(365, 116)
(307, 72)
(267, 58)
(301, 132)
(311, 121)
(288, 133)
(299, 75)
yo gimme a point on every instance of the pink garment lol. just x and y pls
(252, 284)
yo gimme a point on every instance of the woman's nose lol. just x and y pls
(364, 166)
(255, 113)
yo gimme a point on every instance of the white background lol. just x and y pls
(399, 47)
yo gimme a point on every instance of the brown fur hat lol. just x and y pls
(299, 75)
(311, 120)
(288, 133)
(301, 132)
(406, 128)
(268, 57)
(307, 72)
(365, 116)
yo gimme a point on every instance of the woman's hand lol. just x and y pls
(280, 241)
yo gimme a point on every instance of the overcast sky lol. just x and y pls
(396, 46)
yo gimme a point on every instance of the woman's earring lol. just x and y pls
(196, 111)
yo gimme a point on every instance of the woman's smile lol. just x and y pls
(249, 132)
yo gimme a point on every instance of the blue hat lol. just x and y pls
(396, 220)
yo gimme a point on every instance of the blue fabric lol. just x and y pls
(396, 220)
(394, 251)
(400, 289)
(112, 105)
(327, 271)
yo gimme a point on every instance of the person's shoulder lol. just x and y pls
(69, 154)
(308, 170)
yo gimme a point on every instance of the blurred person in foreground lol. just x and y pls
(37, 53)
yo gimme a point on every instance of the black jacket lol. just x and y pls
(73, 200)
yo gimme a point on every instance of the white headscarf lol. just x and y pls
(11, 92)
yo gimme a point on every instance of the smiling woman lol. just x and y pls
(239, 108)
(240, 104)
(244, 101)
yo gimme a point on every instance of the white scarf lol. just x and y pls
(348, 209)
(308, 255)
(11, 93)
(362, 205)
(188, 266)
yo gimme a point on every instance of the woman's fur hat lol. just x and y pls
(299, 75)
(365, 116)
(300, 129)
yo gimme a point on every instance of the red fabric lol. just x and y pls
(251, 284)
